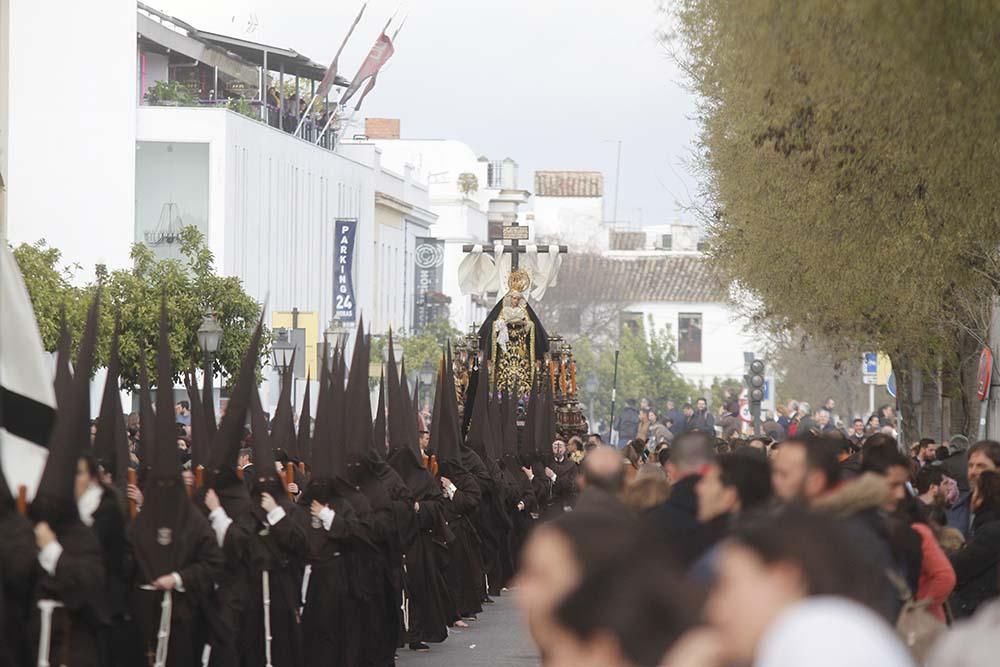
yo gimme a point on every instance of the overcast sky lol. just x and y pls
(553, 84)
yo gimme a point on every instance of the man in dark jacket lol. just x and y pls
(976, 564)
(701, 420)
(628, 423)
(675, 521)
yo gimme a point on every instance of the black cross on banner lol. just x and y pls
(516, 233)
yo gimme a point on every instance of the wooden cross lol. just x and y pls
(515, 233)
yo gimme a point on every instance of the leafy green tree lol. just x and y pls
(191, 288)
(646, 369)
(848, 164)
(426, 347)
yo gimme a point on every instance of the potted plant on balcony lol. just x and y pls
(170, 94)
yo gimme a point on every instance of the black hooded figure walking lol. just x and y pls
(225, 499)
(429, 604)
(480, 458)
(331, 626)
(462, 493)
(175, 551)
(103, 508)
(278, 549)
(72, 580)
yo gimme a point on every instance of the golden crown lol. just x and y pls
(519, 280)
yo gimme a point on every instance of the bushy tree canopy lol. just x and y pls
(848, 155)
(191, 288)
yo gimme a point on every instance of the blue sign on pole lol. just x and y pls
(344, 306)
(890, 385)
(871, 363)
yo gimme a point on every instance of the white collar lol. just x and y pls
(88, 503)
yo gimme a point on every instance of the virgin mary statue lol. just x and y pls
(513, 338)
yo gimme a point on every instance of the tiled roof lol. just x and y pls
(627, 240)
(592, 279)
(569, 184)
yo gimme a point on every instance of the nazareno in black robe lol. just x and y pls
(18, 563)
(170, 535)
(430, 607)
(280, 549)
(465, 563)
(331, 625)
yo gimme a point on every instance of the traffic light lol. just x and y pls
(755, 385)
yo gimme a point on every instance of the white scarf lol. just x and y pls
(88, 502)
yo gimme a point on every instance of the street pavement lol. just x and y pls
(498, 639)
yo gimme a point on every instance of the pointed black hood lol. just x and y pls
(283, 425)
(165, 461)
(477, 408)
(111, 440)
(378, 427)
(229, 436)
(446, 423)
(147, 427)
(208, 399)
(55, 501)
(263, 452)
(303, 438)
(358, 410)
(64, 378)
(200, 444)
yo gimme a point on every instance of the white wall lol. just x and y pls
(461, 219)
(4, 77)
(273, 200)
(576, 221)
(71, 157)
(723, 339)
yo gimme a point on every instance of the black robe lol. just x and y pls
(331, 626)
(190, 550)
(119, 643)
(79, 584)
(564, 488)
(430, 608)
(492, 521)
(18, 569)
(280, 550)
(465, 563)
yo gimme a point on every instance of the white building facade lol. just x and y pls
(568, 208)
(67, 152)
(465, 207)
(648, 287)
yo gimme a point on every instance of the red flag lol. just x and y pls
(331, 71)
(380, 52)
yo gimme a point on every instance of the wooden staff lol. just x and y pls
(289, 479)
(22, 500)
(133, 479)
(199, 477)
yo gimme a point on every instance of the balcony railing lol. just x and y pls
(312, 127)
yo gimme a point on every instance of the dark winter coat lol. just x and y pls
(977, 565)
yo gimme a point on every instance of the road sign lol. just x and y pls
(985, 375)
(869, 368)
(890, 385)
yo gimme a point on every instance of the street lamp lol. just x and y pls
(209, 336)
(335, 335)
(282, 350)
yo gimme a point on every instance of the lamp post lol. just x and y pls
(282, 350)
(334, 338)
(209, 338)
